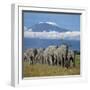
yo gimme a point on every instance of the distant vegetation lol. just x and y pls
(77, 52)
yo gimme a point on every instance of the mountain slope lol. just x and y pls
(46, 27)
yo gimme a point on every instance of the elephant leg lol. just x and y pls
(31, 59)
(60, 61)
(25, 58)
(66, 63)
(35, 60)
(45, 60)
(63, 62)
(53, 61)
(69, 63)
(73, 61)
(48, 62)
(57, 60)
(42, 60)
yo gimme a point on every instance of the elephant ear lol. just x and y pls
(30, 52)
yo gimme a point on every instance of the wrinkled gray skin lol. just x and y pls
(39, 58)
(31, 55)
(26, 58)
(71, 58)
(52, 55)
(64, 57)
(49, 55)
(60, 54)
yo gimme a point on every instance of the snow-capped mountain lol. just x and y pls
(46, 26)
(50, 30)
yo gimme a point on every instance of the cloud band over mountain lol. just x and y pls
(69, 35)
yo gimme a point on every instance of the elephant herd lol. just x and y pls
(52, 55)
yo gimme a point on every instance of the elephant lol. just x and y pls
(71, 58)
(60, 55)
(25, 57)
(31, 53)
(39, 58)
(64, 56)
(49, 55)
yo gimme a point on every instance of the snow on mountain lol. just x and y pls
(46, 26)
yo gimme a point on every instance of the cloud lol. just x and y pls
(51, 23)
(30, 30)
(25, 28)
(69, 35)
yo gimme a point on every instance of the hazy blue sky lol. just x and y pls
(68, 21)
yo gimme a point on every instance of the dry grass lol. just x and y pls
(46, 70)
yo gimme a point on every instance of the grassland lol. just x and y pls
(37, 70)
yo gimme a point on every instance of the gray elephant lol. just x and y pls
(25, 57)
(65, 57)
(39, 58)
(49, 55)
(60, 55)
(71, 58)
(31, 53)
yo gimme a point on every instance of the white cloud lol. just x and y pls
(74, 35)
(51, 23)
(30, 30)
(25, 28)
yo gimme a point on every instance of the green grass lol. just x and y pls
(77, 59)
(37, 70)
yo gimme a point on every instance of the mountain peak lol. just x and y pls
(46, 26)
(51, 23)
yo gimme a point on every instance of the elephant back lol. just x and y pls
(30, 52)
(40, 50)
(50, 50)
(62, 50)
